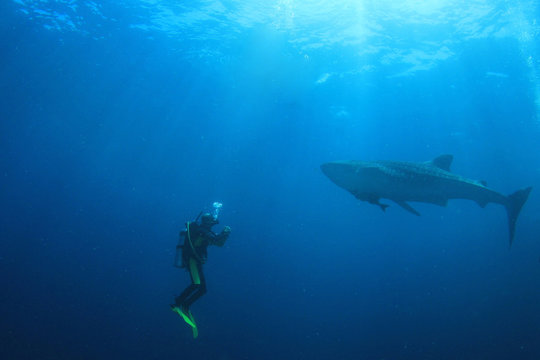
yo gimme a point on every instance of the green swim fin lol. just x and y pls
(188, 318)
(194, 327)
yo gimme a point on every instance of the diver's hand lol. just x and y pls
(226, 230)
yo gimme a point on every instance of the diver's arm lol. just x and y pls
(219, 239)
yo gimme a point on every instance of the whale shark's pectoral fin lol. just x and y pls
(383, 206)
(482, 203)
(407, 207)
(375, 201)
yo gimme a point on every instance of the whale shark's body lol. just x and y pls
(429, 182)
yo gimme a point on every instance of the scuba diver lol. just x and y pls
(191, 255)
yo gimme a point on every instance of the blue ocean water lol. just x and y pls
(122, 120)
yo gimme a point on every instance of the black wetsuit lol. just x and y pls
(197, 238)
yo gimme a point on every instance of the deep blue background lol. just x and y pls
(107, 146)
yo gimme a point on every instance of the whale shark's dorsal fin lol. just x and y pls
(443, 162)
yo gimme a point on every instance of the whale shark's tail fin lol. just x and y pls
(513, 207)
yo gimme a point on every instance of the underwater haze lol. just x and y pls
(122, 120)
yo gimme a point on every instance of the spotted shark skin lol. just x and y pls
(428, 182)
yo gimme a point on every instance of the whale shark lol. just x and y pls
(428, 182)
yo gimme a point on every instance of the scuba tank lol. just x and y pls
(178, 258)
(184, 236)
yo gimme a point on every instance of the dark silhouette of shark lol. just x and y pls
(428, 182)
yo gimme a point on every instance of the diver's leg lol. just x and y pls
(179, 300)
(199, 281)
(185, 294)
